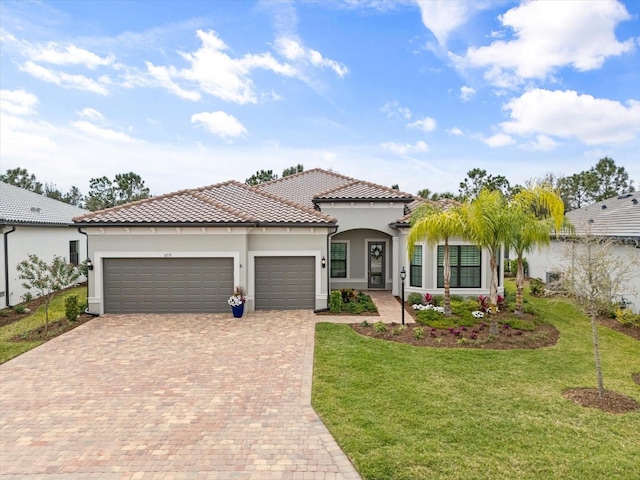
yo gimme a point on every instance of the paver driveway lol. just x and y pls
(168, 396)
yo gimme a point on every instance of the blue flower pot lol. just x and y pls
(238, 311)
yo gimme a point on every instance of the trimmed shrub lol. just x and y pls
(335, 302)
(536, 287)
(379, 327)
(627, 317)
(418, 333)
(414, 298)
(71, 308)
(20, 309)
(438, 300)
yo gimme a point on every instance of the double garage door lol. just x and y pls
(174, 285)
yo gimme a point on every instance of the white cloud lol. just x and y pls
(18, 102)
(56, 54)
(550, 35)
(393, 110)
(466, 93)
(220, 123)
(405, 148)
(218, 74)
(445, 16)
(426, 124)
(78, 82)
(567, 114)
(542, 143)
(499, 140)
(455, 131)
(91, 114)
(293, 51)
(162, 77)
(102, 133)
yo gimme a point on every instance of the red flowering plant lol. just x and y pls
(428, 298)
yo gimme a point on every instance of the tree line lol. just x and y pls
(103, 192)
(602, 181)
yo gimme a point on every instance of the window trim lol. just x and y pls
(413, 266)
(456, 269)
(74, 253)
(346, 259)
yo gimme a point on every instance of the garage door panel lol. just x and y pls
(167, 285)
(284, 283)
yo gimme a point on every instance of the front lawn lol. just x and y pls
(405, 412)
(20, 336)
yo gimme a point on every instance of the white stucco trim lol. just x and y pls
(317, 254)
(98, 299)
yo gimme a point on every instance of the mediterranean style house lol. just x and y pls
(288, 242)
(31, 223)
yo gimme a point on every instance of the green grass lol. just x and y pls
(403, 412)
(9, 350)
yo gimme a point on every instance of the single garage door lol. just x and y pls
(285, 283)
(167, 285)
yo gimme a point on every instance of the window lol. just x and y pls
(338, 260)
(74, 252)
(415, 269)
(465, 266)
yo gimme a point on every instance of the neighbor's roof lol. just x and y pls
(615, 217)
(20, 206)
(225, 203)
(317, 185)
(443, 203)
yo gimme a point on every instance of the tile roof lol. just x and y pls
(614, 217)
(20, 206)
(302, 187)
(225, 203)
(359, 190)
(443, 203)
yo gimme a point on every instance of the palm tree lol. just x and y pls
(434, 225)
(488, 227)
(532, 215)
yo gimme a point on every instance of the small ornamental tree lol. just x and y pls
(596, 277)
(47, 279)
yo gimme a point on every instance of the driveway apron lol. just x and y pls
(168, 397)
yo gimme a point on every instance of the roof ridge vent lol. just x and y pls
(604, 207)
(35, 209)
(623, 196)
(634, 201)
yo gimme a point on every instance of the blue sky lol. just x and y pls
(188, 94)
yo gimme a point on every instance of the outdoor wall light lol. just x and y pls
(403, 276)
(89, 264)
(323, 262)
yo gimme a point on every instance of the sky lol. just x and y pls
(415, 93)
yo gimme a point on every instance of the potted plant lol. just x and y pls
(237, 301)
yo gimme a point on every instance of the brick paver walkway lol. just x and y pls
(168, 397)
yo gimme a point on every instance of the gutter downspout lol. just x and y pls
(86, 310)
(329, 235)
(6, 265)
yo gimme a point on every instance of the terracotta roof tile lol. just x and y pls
(443, 203)
(227, 203)
(302, 187)
(359, 190)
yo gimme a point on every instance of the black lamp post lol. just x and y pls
(403, 275)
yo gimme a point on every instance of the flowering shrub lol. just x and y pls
(428, 298)
(420, 307)
(238, 297)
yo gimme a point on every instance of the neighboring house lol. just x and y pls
(31, 223)
(616, 218)
(288, 242)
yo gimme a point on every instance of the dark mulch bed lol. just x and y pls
(610, 402)
(507, 338)
(612, 323)
(349, 314)
(55, 328)
(9, 315)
